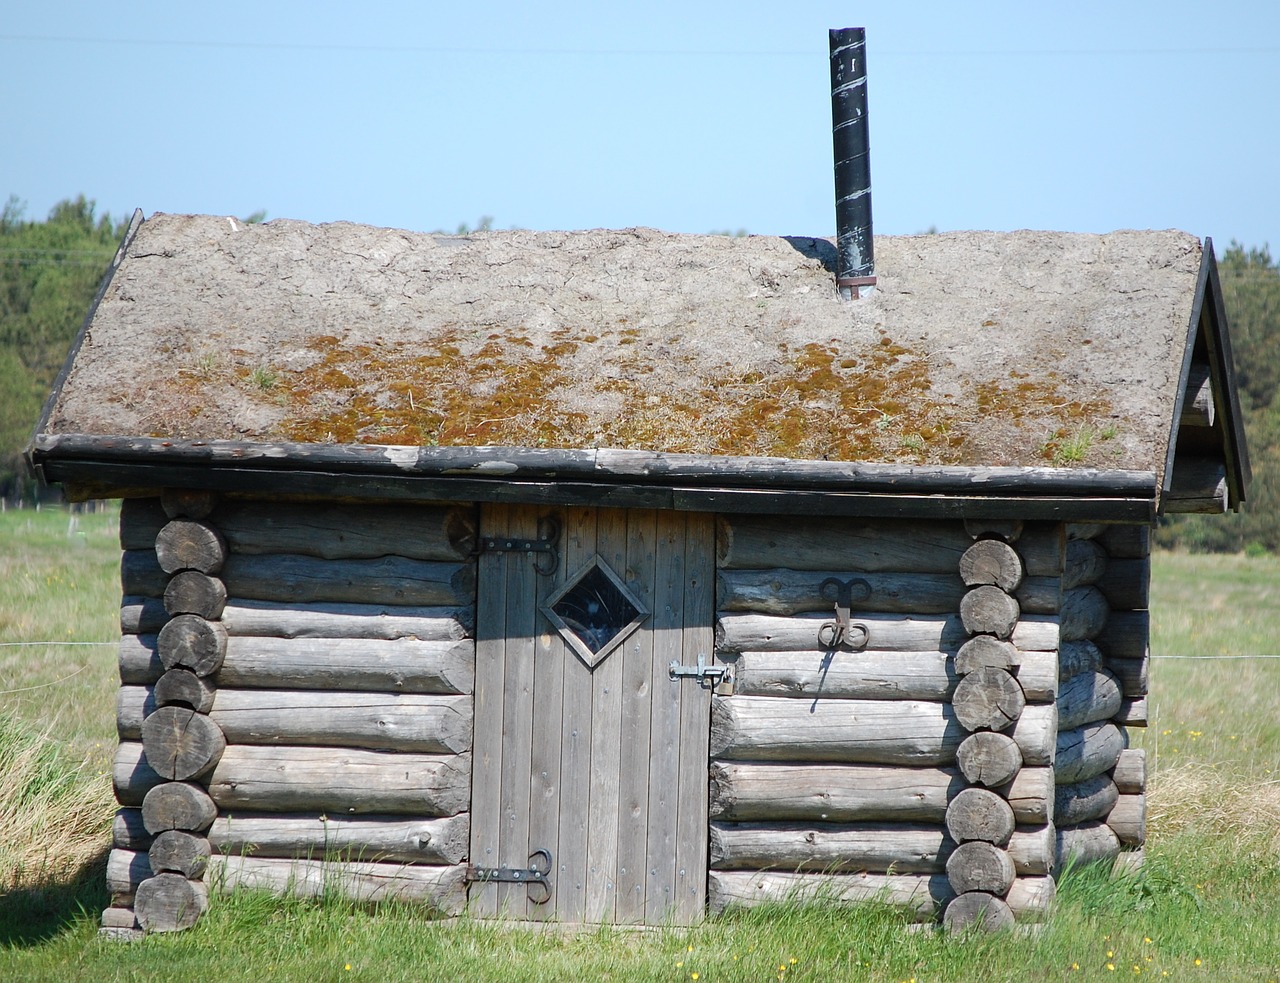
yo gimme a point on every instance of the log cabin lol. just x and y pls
(619, 575)
(623, 576)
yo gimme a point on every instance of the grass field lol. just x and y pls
(1203, 909)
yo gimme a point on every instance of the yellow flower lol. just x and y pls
(693, 976)
(679, 964)
(347, 967)
(1197, 962)
(794, 960)
(1075, 966)
(1110, 954)
(1111, 967)
(1147, 939)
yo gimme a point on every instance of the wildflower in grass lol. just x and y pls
(1075, 967)
(1197, 962)
(1111, 967)
(693, 976)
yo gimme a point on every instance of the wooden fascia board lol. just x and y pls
(126, 466)
(1227, 395)
(135, 223)
(1209, 320)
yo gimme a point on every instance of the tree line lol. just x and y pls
(49, 272)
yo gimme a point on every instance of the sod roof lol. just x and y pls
(976, 349)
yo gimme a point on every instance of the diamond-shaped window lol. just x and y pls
(595, 612)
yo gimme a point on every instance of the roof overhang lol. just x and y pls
(1191, 449)
(95, 466)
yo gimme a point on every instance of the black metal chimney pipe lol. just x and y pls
(855, 271)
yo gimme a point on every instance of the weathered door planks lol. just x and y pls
(606, 768)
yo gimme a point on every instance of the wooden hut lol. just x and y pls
(619, 575)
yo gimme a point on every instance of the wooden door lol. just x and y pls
(603, 766)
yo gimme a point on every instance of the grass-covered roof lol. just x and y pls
(977, 348)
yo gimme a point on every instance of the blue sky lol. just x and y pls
(691, 116)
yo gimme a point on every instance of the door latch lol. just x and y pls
(842, 631)
(717, 674)
(536, 875)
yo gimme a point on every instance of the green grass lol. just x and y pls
(1209, 891)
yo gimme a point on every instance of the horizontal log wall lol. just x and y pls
(340, 675)
(1100, 803)
(835, 765)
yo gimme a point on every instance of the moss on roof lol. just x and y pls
(979, 349)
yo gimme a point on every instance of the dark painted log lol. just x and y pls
(980, 866)
(141, 574)
(1133, 674)
(993, 562)
(737, 632)
(853, 731)
(977, 911)
(919, 547)
(845, 675)
(922, 895)
(749, 791)
(746, 542)
(829, 847)
(980, 814)
(398, 665)
(1086, 561)
(192, 592)
(132, 776)
(389, 721)
(128, 831)
(182, 687)
(1010, 530)
(368, 838)
(1126, 635)
(1085, 530)
(180, 743)
(989, 611)
(985, 651)
(141, 520)
(1130, 773)
(188, 503)
(325, 780)
(989, 759)
(186, 544)
(784, 591)
(1086, 698)
(1089, 843)
(1077, 657)
(334, 532)
(170, 903)
(988, 699)
(325, 620)
(1086, 751)
(1030, 795)
(1132, 712)
(1127, 583)
(178, 852)
(287, 578)
(191, 642)
(1197, 398)
(126, 870)
(1084, 613)
(1199, 485)
(1093, 798)
(177, 805)
(1128, 542)
(1039, 595)
(142, 615)
(1128, 819)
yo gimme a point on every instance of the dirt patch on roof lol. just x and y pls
(1022, 348)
